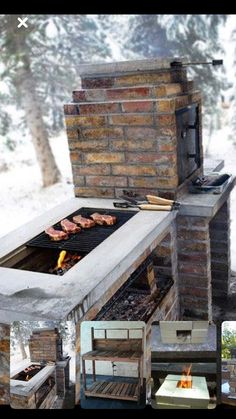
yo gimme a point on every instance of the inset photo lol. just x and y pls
(184, 365)
(113, 365)
(42, 365)
(228, 363)
(4, 363)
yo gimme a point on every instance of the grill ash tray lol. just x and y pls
(87, 239)
(211, 183)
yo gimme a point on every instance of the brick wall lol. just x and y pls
(121, 132)
(194, 266)
(45, 345)
(220, 251)
(4, 363)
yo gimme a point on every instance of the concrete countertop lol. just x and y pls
(160, 349)
(205, 204)
(26, 295)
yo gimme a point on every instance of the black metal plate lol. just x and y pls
(87, 239)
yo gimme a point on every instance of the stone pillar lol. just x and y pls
(194, 265)
(220, 251)
(4, 364)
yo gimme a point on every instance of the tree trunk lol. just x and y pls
(34, 119)
(21, 343)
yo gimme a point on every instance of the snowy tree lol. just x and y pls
(191, 37)
(39, 65)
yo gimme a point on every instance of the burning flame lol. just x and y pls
(61, 259)
(186, 379)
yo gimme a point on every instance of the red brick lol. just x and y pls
(94, 192)
(193, 246)
(92, 169)
(190, 257)
(139, 106)
(137, 133)
(75, 157)
(192, 234)
(165, 120)
(188, 280)
(132, 170)
(197, 292)
(78, 180)
(168, 144)
(72, 134)
(165, 106)
(135, 145)
(83, 121)
(143, 78)
(128, 93)
(106, 181)
(171, 89)
(96, 82)
(131, 119)
(78, 95)
(181, 101)
(143, 182)
(193, 268)
(104, 157)
(89, 145)
(151, 158)
(99, 108)
(71, 109)
(168, 131)
(102, 133)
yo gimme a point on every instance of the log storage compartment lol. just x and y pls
(115, 350)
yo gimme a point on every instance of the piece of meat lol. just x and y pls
(103, 219)
(56, 235)
(83, 222)
(69, 227)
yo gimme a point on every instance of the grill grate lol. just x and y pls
(85, 241)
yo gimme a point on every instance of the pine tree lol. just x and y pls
(40, 65)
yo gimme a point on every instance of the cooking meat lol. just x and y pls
(83, 222)
(69, 227)
(103, 219)
(56, 235)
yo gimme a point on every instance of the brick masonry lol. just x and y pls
(220, 251)
(121, 132)
(45, 345)
(203, 262)
(4, 364)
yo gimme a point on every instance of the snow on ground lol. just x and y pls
(22, 197)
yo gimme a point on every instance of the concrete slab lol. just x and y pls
(26, 295)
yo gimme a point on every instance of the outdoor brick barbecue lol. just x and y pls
(133, 126)
(47, 372)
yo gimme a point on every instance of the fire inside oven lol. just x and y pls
(188, 152)
(41, 254)
(136, 299)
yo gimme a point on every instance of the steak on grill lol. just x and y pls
(69, 227)
(56, 235)
(103, 219)
(83, 222)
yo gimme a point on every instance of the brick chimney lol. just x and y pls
(123, 130)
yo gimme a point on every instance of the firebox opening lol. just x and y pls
(183, 334)
(43, 261)
(28, 373)
(139, 297)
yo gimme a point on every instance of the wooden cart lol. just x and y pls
(115, 350)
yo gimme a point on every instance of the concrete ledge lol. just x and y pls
(25, 294)
(205, 204)
(126, 66)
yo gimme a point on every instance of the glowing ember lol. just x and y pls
(186, 379)
(65, 261)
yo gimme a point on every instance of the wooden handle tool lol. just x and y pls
(152, 199)
(153, 207)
